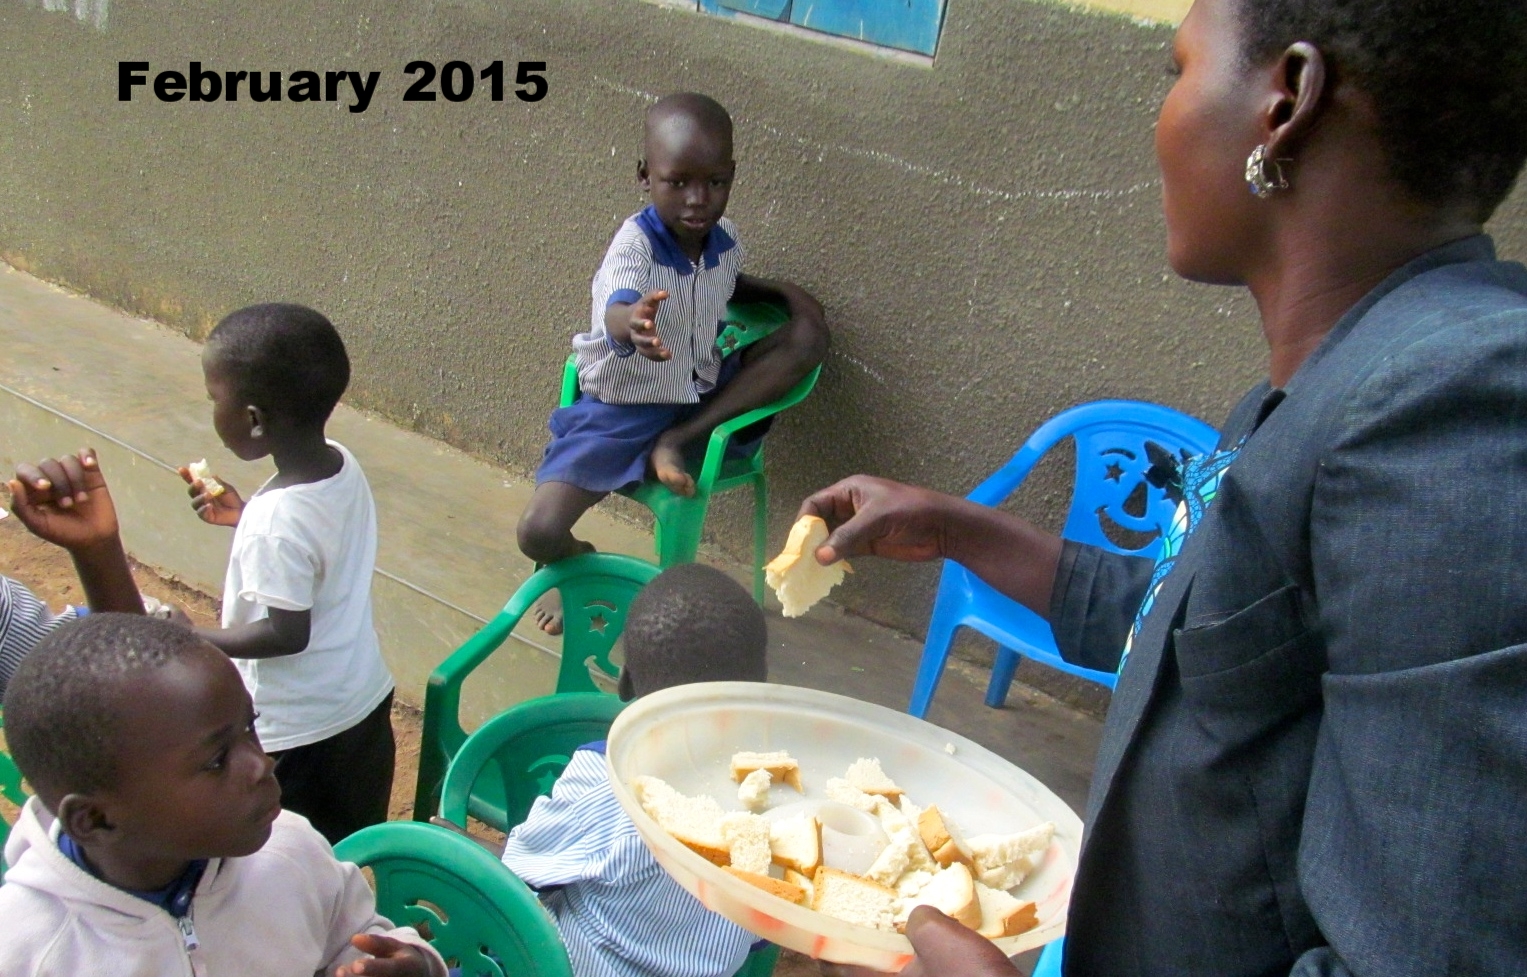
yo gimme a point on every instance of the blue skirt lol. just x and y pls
(604, 447)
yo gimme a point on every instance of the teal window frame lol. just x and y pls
(903, 25)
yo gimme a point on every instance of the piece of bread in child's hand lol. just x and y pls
(799, 581)
(780, 764)
(788, 891)
(202, 472)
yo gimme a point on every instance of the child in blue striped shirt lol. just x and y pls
(620, 914)
(652, 382)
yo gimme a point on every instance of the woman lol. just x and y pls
(1316, 756)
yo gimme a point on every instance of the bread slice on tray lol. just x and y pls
(952, 892)
(943, 838)
(866, 775)
(786, 890)
(1003, 861)
(1002, 915)
(780, 764)
(796, 843)
(694, 821)
(853, 900)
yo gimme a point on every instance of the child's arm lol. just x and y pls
(279, 634)
(633, 324)
(65, 501)
(386, 957)
(799, 301)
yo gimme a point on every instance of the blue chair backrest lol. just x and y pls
(1124, 449)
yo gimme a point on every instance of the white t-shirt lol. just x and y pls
(310, 547)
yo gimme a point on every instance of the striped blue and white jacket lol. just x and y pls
(645, 257)
(620, 914)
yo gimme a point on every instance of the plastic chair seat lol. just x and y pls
(1124, 448)
(522, 751)
(680, 520)
(475, 912)
(597, 589)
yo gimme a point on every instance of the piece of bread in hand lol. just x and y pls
(202, 472)
(1002, 915)
(780, 764)
(943, 839)
(796, 843)
(853, 900)
(1003, 861)
(952, 892)
(694, 821)
(865, 774)
(786, 890)
(799, 581)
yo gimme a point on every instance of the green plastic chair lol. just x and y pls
(473, 910)
(12, 790)
(521, 752)
(530, 745)
(681, 520)
(596, 590)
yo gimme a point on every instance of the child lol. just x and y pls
(618, 912)
(297, 599)
(65, 501)
(156, 843)
(660, 294)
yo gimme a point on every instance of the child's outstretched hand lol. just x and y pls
(222, 509)
(65, 501)
(388, 958)
(644, 326)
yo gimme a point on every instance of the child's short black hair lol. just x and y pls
(703, 112)
(1448, 80)
(692, 623)
(285, 359)
(63, 706)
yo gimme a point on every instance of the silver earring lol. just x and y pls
(1263, 175)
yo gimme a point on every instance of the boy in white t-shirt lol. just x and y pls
(297, 598)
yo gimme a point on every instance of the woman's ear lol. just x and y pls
(82, 818)
(1300, 99)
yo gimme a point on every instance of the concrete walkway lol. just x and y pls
(75, 373)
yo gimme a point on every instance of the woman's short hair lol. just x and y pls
(1448, 79)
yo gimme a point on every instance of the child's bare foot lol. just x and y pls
(549, 612)
(667, 461)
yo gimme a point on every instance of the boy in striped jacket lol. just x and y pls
(620, 914)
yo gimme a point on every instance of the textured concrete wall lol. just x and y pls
(984, 233)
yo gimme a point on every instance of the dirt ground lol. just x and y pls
(49, 572)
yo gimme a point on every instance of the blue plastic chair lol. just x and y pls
(1049, 959)
(1117, 444)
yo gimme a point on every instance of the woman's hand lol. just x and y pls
(883, 518)
(944, 948)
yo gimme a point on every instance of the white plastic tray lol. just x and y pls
(687, 735)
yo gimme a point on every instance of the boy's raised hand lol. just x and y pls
(389, 957)
(643, 326)
(222, 509)
(65, 501)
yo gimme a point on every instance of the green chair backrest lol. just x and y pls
(597, 588)
(473, 910)
(521, 752)
(12, 790)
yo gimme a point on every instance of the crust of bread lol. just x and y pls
(786, 772)
(712, 854)
(960, 902)
(802, 866)
(941, 842)
(825, 876)
(1002, 915)
(788, 891)
(798, 581)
